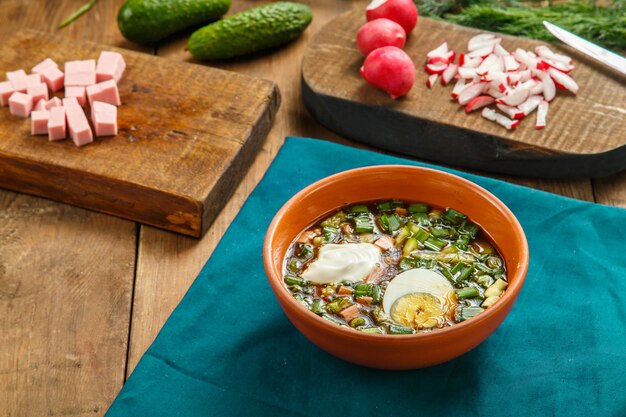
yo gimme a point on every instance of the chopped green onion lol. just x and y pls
(402, 234)
(377, 294)
(397, 329)
(418, 208)
(363, 224)
(358, 321)
(294, 266)
(440, 231)
(407, 263)
(388, 205)
(306, 251)
(421, 219)
(333, 319)
(462, 242)
(494, 262)
(435, 243)
(361, 290)
(469, 228)
(458, 268)
(359, 209)
(482, 268)
(413, 227)
(466, 273)
(409, 246)
(329, 233)
(78, 13)
(454, 216)
(318, 306)
(291, 280)
(446, 272)
(421, 235)
(485, 280)
(390, 222)
(467, 312)
(335, 220)
(469, 292)
(376, 330)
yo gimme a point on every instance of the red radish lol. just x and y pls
(556, 65)
(438, 59)
(524, 58)
(495, 93)
(482, 40)
(542, 114)
(510, 63)
(448, 74)
(545, 52)
(379, 33)
(530, 105)
(486, 65)
(549, 89)
(537, 89)
(469, 62)
(450, 56)
(431, 80)
(563, 79)
(515, 97)
(481, 52)
(489, 114)
(525, 76)
(403, 12)
(390, 69)
(461, 59)
(467, 73)
(458, 87)
(506, 122)
(512, 112)
(500, 51)
(478, 102)
(469, 92)
(441, 50)
(436, 68)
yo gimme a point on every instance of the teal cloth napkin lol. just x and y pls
(228, 349)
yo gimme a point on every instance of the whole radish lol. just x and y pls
(390, 69)
(403, 12)
(379, 33)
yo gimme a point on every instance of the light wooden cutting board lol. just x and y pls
(585, 135)
(187, 134)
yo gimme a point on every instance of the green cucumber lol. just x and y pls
(250, 31)
(147, 21)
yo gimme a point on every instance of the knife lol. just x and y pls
(608, 58)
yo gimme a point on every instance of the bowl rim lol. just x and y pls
(507, 299)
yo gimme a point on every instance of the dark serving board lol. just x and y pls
(585, 135)
(187, 134)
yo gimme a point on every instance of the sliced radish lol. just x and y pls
(515, 97)
(432, 79)
(478, 45)
(512, 112)
(542, 115)
(487, 63)
(525, 58)
(510, 63)
(549, 89)
(506, 122)
(436, 68)
(450, 56)
(440, 51)
(478, 102)
(550, 63)
(563, 79)
(469, 92)
(448, 74)
(489, 114)
(529, 84)
(469, 62)
(467, 73)
(458, 87)
(545, 52)
(482, 52)
(439, 60)
(461, 59)
(500, 51)
(530, 105)
(495, 93)
(514, 77)
(537, 88)
(525, 75)
(478, 39)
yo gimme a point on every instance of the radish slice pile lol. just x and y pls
(515, 83)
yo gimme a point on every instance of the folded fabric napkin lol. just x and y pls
(228, 349)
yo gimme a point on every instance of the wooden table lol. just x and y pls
(82, 294)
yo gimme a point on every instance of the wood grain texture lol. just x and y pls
(186, 136)
(585, 136)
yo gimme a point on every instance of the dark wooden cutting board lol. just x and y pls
(585, 135)
(187, 134)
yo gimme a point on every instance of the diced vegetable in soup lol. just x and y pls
(393, 267)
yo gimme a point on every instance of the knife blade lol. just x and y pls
(608, 58)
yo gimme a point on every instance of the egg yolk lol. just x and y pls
(418, 310)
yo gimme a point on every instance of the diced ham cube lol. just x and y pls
(22, 84)
(46, 63)
(53, 77)
(54, 102)
(39, 122)
(38, 92)
(41, 104)
(350, 313)
(110, 66)
(16, 75)
(56, 124)
(6, 90)
(80, 72)
(78, 126)
(104, 118)
(76, 91)
(20, 104)
(106, 92)
(70, 101)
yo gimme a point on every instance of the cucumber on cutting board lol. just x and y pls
(153, 20)
(250, 31)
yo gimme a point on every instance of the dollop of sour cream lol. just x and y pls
(348, 261)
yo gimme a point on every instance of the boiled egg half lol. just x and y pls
(344, 262)
(420, 298)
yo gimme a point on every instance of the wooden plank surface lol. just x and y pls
(585, 135)
(167, 263)
(186, 136)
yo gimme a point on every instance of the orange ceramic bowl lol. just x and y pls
(407, 183)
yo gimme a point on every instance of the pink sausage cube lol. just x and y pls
(39, 92)
(76, 91)
(80, 132)
(56, 124)
(46, 63)
(39, 122)
(53, 77)
(20, 104)
(41, 105)
(16, 75)
(104, 118)
(54, 102)
(110, 66)
(6, 90)
(105, 92)
(80, 72)
(70, 101)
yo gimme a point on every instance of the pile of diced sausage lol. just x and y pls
(84, 82)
